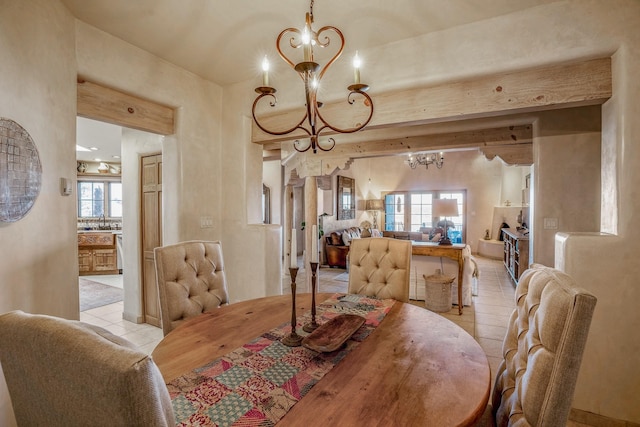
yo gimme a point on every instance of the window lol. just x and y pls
(394, 212)
(421, 208)
(412, 211)
(97, 198)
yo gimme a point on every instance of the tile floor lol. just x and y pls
(485, 320)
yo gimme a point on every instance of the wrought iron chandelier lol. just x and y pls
(426, 160)
(311, 73)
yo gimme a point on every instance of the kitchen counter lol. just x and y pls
(100, 231)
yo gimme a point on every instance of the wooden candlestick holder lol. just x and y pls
(312, 326)
(293, 339)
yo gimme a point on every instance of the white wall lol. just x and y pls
(605, 262)
(252, 250)
(191, 174)
(566, 182)
(39, 253)
(191, 178)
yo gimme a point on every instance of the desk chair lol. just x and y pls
(67, 373)
(191, 280)
(380, 267)
(542, 351)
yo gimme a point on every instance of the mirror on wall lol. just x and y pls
(346, 198)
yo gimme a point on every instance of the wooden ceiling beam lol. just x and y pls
(112, 106)
(552, 87)
(518, 135)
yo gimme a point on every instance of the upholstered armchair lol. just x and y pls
(191, 280)
(542, 351)
(380, 267)
(67, 373)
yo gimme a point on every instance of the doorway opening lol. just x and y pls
(99, 210)
(109, 216)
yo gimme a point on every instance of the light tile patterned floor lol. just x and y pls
(145, 336)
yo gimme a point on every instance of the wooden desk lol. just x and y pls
(453, 252)
(416, 368)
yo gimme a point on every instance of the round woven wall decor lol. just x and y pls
(20, 171)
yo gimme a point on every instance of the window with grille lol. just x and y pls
(412, 211)
(97, 198)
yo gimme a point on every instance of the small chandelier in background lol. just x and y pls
(426, 160)
(311, 74)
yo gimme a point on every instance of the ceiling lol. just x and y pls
(102, 139)
(225, 41)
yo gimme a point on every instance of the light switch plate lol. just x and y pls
(206, 222)
(551, 223)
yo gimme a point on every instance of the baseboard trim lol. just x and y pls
(132, 317)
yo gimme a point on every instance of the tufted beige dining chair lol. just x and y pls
(68, 373)
(380, 267)
(542, 351)
(191, 280)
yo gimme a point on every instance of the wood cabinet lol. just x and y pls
(97, 254)
(516, 252)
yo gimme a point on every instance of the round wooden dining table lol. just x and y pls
(416, 367)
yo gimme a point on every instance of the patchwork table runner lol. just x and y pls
(256, 384)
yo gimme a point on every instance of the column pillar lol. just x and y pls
(310, 219)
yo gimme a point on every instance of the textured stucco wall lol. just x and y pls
(38, 254)
(191, 177)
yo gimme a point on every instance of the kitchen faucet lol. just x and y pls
(103, 222)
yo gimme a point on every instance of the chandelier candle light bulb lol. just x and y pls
(356, 68)
(306, 44)
(265, 71)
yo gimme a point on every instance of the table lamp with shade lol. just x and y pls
(445, 208)
(373, 206)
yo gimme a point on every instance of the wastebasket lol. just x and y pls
(438, 292)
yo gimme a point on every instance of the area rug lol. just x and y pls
(342, 277)
(94, 294)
